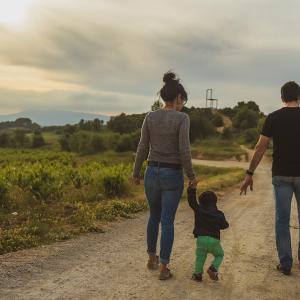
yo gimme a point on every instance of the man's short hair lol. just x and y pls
(290, 91)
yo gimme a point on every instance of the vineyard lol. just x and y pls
(48, 196)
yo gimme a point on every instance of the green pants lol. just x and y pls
(206, 245)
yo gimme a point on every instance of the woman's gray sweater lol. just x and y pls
(165, 138)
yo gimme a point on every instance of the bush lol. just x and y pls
(44, 182)
(245, 118)
(115, 186)
(125, 143)
(126, 123)
(118, 208)
(217, 120)
(19, 139)
(4, 139)
(37, 140)
(201, 126)
(251, 135)
(16, 239)
(97, 143)
(83, 142)
(227, 133)
(3, 192)
(64, 143)
(85, 217)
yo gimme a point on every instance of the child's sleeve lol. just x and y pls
(223, 222)
(192, 198)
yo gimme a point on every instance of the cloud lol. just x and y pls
(104, 102)
(112, 49)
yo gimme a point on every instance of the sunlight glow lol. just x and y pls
(14, 12)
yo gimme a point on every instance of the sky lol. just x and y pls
(109, 56)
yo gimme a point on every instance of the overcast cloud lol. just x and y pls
(109, 56)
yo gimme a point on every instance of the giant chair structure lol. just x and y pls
(210, 101)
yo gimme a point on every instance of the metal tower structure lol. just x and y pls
(210, 101)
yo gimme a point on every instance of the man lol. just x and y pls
(283, 126)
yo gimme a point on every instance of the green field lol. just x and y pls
(217, 149)
(47, 196)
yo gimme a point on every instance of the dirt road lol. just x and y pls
(112, 265)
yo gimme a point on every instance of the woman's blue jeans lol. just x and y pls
(284, 188)
(163, 188)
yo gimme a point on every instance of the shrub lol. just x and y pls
(115, 186)
(217, 120)
(15, 239)
(4, 139)
(251, 135)
(97, 143)
(245, 118)
(3, 192)
(84, 217)
(118, 208)
(44, 182)
(19, 139)
(37, 140)
(227, 133)
(83, 142)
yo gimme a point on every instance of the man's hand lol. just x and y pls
(246, 183)
(136, 180)
(193, 183)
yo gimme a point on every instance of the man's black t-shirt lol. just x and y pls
(283, 126)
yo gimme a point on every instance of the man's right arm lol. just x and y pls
(259, 151)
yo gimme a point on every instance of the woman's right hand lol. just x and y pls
(193, 183)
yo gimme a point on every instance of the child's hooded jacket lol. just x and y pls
(208, 219)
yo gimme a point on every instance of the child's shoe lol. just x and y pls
(197, 277)
(213, 273)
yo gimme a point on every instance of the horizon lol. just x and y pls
(103, 57)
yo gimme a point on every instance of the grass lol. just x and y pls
(217, 149)
(109, 158)
(32, 222)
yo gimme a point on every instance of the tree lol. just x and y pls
(69, 129)
(64, 143)
(37, 139)
(126, 123)
(97, 125)
(81, 124)
(250, 135)
(4, 139)
(217, 120)
(23, 122)
(156, 105)
(201, 124)
(97, 143)
(227, 133)
(245, 118)
(19, 138)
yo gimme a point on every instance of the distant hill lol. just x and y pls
(53, 117)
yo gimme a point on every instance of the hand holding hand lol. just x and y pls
(246, 183)
(193, 183)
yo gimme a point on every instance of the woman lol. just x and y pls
(165, 133)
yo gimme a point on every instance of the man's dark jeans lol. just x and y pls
(284, 189)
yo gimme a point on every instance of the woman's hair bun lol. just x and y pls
(169, 77)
